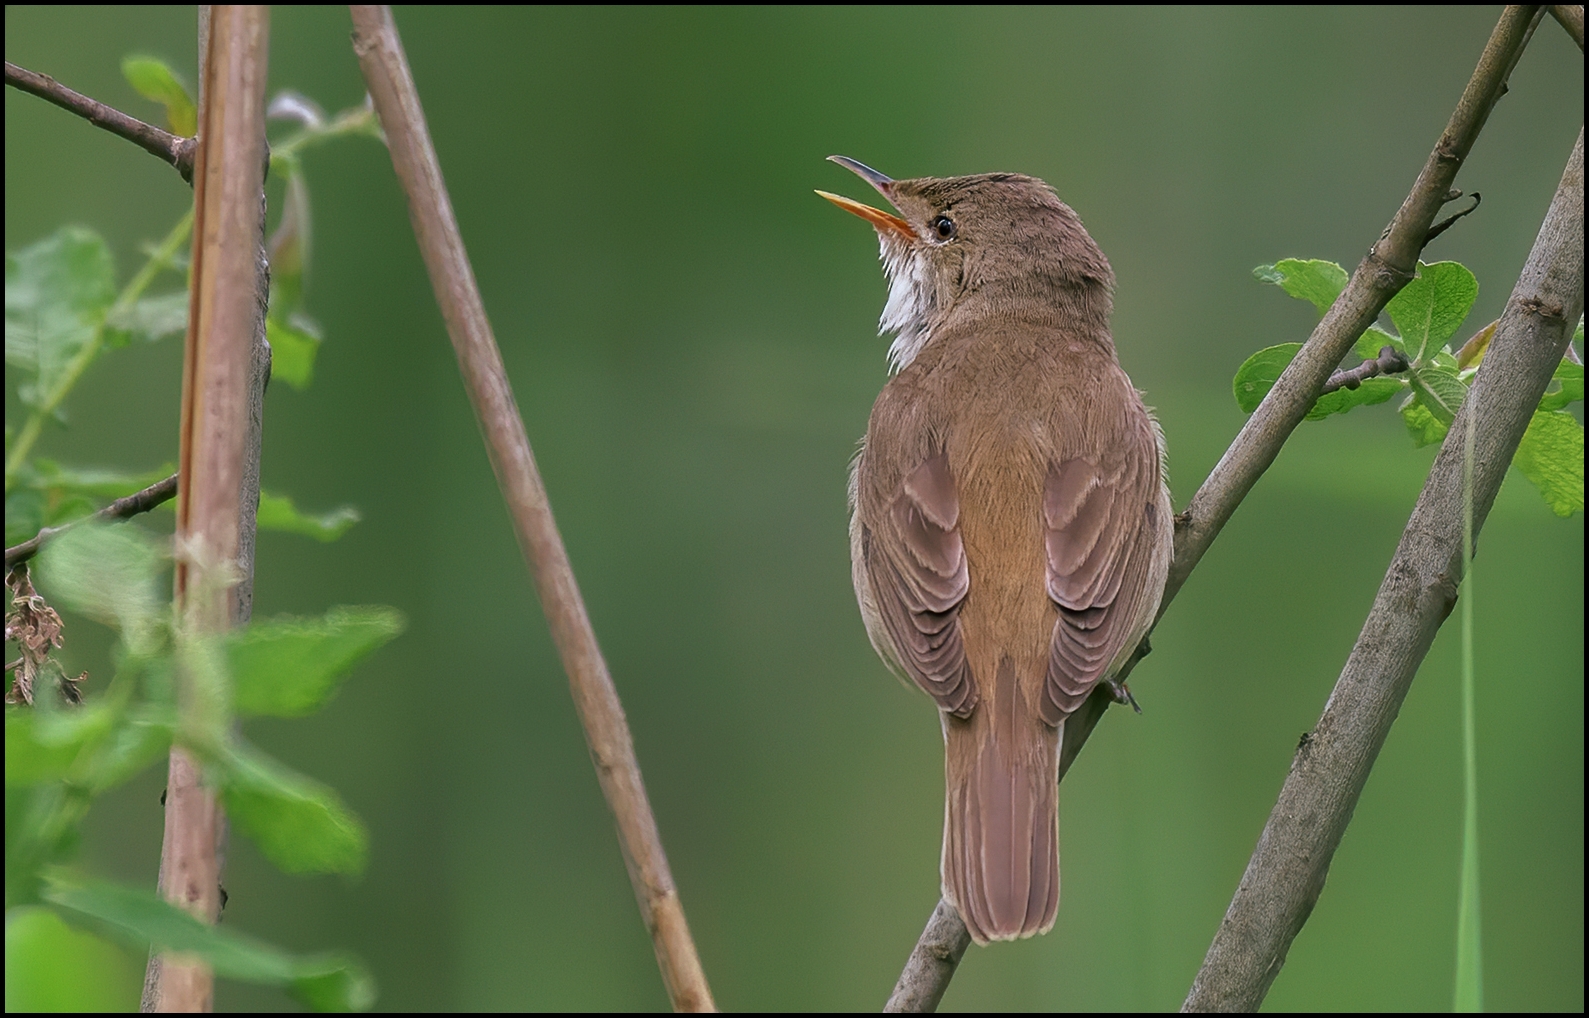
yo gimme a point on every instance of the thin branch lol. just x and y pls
(386, 72)
(122, 509)
(1388, 267)
(160, 143)
(219, 407)
(1390, 361)
(1288, 868)
(1570, 17)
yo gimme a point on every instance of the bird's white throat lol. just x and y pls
(909, 302)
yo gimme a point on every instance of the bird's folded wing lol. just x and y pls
(916, 566)
(1099, 530)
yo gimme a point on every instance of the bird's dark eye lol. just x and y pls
(944, 227)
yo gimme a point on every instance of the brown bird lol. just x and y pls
(1010, 529)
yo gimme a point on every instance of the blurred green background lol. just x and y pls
(690, 334)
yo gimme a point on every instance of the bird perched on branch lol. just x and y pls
(1010, 530)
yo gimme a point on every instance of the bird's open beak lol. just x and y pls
(877, 217)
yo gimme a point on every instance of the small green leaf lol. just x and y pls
(290, 249)
(154, 80)
(1569, 381)
(110, 574)
(1424, 427)
(276, 512)
(293, 345)
(47, 475)
(326, 982)
(57, 292)
(291, 667)
(1439, 388)
(51, 966)
(1551, 455)
(1371, 391)
(148, 320)
(1313, 279)
(1258, 374)
(1471, 355)
(1375, 339)
(1429, 310)
(299, 824)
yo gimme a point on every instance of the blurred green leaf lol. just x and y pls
(276, 512)
(1424, 427)
(134, 745)
(34, 757)
(1312, 279)
(109, 573)
(293, 345)
(1568, 381)
(299, 824)
(148, 319)
(1551, 455)
(1368, 393)
(290, 249)
(1258, 374)
(325, 982)
(47, 475)
(1429, 310)
(51, 966)
(154, 80)
(291, 667)
(57, 292)
(24, 514)
(1373, 340)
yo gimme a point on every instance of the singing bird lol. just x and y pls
(1010, 526)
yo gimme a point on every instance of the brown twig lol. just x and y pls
(123, 508)
(386, 72)
(1288, 868)
(160, 143)
(1570, 17)
(1389, 265)
(1389, 362)
(219, 370)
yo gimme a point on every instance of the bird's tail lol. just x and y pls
(1001, 817)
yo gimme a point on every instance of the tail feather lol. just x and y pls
(1001, 824)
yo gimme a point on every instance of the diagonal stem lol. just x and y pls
(159, 143)
(1389, 265)
(386, 71)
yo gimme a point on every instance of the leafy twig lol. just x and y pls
(157, 142)
(1389, 266)
(1287, 870)
(1389, 362)
(386, 72)
(123, 508)
(159, 260)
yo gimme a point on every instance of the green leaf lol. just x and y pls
(1551, 455)
(1314, 280)
(52, 967)
(57, 292)
(24, 515)
(299, 824)
(290, 249)
(148, 320)
(276, 512)
(1375, 339)
(1439, 388)
(1569, 379)
(291, 667)
(34, 757)
(1429, 310)
(133, 746)
(293, 345)
(109, 573)
(1422, 425)
(155, 80)
(1258, 374)
(1371, 391)
(326, 982)
(47, 475)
